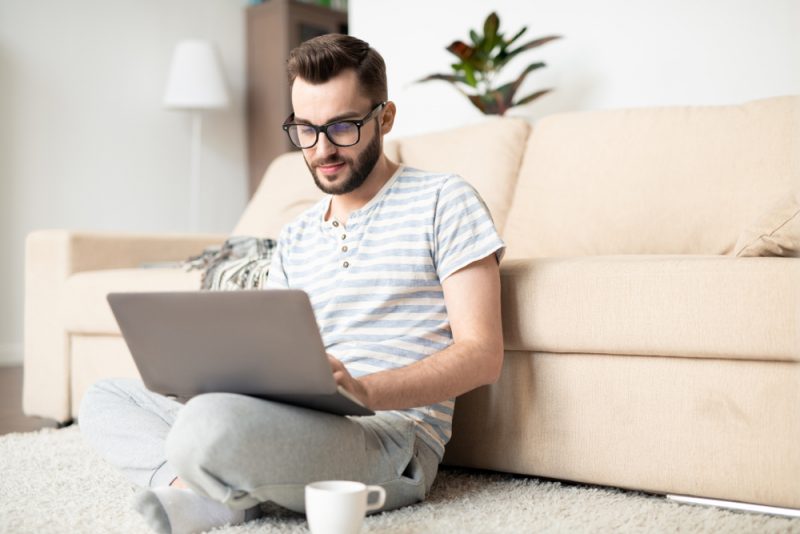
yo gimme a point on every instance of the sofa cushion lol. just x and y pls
(487, 155)
(84, 307)
(775, 232)
(286, 191)
(652, 180)
(685, 306)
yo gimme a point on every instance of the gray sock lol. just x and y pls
(182, 511)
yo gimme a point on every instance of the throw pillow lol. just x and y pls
(776, 232)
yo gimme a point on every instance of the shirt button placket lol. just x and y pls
(346, 263)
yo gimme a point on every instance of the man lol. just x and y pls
(401, 267)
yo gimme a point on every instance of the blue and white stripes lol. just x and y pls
(375, 283)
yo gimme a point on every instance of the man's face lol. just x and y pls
(337, 170)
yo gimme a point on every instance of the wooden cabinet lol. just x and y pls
(273, 29)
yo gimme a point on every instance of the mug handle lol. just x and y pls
(381, 497)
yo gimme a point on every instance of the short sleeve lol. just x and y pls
(277, 279)
(463, 228)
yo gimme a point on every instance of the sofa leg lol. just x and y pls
(65, 424)
(734, 505)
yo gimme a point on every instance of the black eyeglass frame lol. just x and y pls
(324, 128)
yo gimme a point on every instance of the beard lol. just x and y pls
(360, 169)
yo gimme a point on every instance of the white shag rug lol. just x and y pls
(51, 481)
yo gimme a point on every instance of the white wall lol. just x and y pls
(84, 140)
(85, 143)
(615, 53)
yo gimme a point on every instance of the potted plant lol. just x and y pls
(479, 64)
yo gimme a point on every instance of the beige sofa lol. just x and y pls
(640, 351)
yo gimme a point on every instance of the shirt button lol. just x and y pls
(335, 224)
(344, 248)
(346, 265)
(344, 236)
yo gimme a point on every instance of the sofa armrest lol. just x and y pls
(51, 257)
(90, 251)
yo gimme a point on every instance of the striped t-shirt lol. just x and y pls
(375, 283)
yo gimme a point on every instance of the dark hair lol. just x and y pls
(322, 58)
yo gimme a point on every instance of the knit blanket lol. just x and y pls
(241, 262)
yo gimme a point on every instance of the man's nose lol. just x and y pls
(324, 146)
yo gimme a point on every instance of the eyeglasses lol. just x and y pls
(342, 133)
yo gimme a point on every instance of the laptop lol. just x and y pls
(261, 343)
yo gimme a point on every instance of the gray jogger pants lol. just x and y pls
(241, 450)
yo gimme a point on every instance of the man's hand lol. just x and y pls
(344, 379)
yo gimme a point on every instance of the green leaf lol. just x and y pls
(517, 36)
(477, 61)
(476, 39)
(508, 90)
(495, 42)
(469, 75)
(490, 32)
(531, 97)
(490, 26)
(452, 78)
(535, 43)
(506, 56)
(486, 103)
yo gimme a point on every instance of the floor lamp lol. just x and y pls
(195, 84)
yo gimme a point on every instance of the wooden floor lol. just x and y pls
(11, 416)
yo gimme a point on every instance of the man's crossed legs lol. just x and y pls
(234, 452)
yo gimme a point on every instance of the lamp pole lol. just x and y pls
(194, 185)
(195, 83)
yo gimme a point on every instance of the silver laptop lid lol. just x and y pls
(251, 342)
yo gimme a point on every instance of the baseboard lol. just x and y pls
(10, 354)
(733, 505)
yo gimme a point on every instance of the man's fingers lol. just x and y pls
(339, 377)
(340, 374)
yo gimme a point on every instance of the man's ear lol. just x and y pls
(387, 117)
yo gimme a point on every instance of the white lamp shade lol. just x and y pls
(195, 78)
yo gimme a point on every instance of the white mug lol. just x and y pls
(339, 506)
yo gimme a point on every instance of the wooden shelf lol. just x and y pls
(273, 29)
